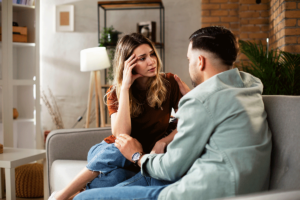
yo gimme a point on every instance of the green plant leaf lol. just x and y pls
(278, 70)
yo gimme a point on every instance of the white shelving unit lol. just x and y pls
(20, 78)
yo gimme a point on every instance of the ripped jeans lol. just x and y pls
(109, 161)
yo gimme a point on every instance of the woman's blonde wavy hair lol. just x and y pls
(156, 86)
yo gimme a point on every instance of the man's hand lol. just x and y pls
(159, 147)
(128, 146)
(182, 85)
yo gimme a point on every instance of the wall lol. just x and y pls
(60, 70)
(222, 13)
(285, 25)
(278, 20)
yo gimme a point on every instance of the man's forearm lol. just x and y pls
(170, 137)
(186, 147)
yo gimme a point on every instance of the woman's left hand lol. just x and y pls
(159, 147)
(128, 146)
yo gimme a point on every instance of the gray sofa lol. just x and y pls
(67, 150)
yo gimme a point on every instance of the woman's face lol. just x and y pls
(146, 63)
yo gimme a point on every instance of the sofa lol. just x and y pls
(67, 150)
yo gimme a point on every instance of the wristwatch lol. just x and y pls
(136, 157)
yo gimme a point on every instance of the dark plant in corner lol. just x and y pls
(108, 39)
(110, 71)
(278, 70)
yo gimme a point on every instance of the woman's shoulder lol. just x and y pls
(111, 92)
(169, 76)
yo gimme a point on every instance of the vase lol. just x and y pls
(15, 113)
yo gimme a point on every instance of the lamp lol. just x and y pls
(93, 60)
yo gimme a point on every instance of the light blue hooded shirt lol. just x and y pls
(223, 145)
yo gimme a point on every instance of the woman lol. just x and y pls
(140, 104)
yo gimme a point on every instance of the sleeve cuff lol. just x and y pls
(144, 162)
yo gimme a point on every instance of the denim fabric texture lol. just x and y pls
(108, 160)
(138, 187)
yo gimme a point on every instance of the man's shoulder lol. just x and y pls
(227, 83)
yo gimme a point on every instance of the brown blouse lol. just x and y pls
(151, 124)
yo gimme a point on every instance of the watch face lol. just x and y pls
(136, 156)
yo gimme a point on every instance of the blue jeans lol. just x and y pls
(138, 187)
(108, 160)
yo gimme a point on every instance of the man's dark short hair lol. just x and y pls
(217, 40)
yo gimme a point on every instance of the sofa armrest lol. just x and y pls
(269, 195)
(72, 144)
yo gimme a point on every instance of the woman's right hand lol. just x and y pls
(128, 77)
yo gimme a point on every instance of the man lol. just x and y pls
(223, 144)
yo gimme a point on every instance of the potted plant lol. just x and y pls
(110, 71)
(109, 37)
(278, 70)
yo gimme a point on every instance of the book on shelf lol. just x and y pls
(30, 3)
(23, 2)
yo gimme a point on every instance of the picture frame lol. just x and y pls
(64, 18)
(148, 29)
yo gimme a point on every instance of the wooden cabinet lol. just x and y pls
(20, 77)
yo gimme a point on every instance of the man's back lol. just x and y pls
(228, 133)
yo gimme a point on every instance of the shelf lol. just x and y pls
(23, 82)
(20, 82)
(105, 86)
(21, 44)
(21, 120)
(24, 120)
(20, 7)
(146, 4)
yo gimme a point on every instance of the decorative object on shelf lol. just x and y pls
(19, 34)
(109, 37)
(46, 133)
(145, 31)
(93, 60)
(15, 113)
(53, 109)
(65, 18)
(278, 70)
(24, 2)
(29, 181)
(148, 29)
(1, 151)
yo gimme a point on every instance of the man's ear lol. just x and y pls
(201, 62)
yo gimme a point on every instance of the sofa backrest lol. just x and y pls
(284, 121)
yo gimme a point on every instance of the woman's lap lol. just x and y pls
(105, 158)
(121, 193)
(137, 187)
(140, 180)
(108, 160)
(110, 179)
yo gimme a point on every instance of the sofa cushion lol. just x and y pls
(63, 172)
(274, 195)
(283, 118)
